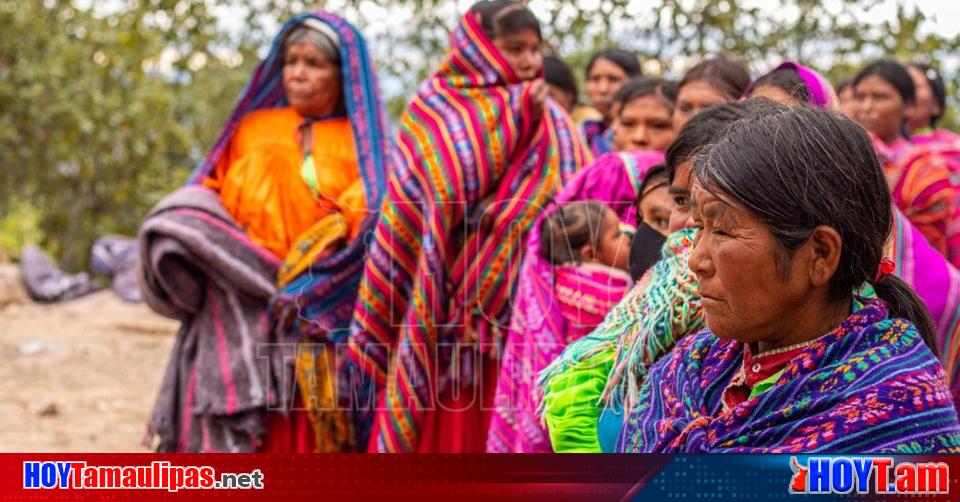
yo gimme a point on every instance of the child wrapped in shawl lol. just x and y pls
(795, 359)
(585, 252)
(482, 153)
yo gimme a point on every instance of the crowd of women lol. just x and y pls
(719, 263)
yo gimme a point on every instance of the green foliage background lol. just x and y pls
(107, 106)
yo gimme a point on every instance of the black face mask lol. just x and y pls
(645, 250)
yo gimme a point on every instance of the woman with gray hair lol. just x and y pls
(260, 255)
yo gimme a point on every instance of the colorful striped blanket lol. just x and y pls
(477, 167)
(200, 268)
(869, 386)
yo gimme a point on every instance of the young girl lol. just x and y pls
(481, 150)
(644, 109)
(713, 81)
(586, 254)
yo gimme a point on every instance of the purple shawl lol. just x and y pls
(868, 386)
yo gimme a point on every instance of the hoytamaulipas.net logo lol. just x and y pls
(878, 475)
(159, 475)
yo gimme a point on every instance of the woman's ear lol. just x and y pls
(824, 248)
(588, 254)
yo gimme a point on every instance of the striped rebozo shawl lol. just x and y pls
(477, 167)
(313, 306)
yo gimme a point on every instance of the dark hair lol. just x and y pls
(798, 168)
(656, 177)
(728, 76)
(626, 60)
(937, 87)
(505, 17)
(786, 79)
(704, 128)
(639, 87)
(894, 73)
(843, 84)
(569, 228)
(558, 73)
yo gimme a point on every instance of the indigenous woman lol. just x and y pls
(931, 105)
(664, 307)
(275, 214)
(607, 71)
(644, 110)
(713, 81)
(812, 345)
(919, 177)
(922, 124)
(482, 153)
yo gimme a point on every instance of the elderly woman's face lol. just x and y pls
(311, 80)
(744, 292)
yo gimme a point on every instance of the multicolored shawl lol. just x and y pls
(923, 188)
(937, 283)
(869, 386)
(660, 310)
(597, 136)
(946, 145)
(317, 303)
(200, 268)
(477, 167)
(538, 331)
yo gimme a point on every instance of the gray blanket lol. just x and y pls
(199, 267)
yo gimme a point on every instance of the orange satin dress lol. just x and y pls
(259, 181)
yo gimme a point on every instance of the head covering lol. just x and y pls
(318, 33)
(319, 301)
(819, 89)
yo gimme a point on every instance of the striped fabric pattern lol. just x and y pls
(923, 190)
(871, 385)
(476, 167)
(937, 283)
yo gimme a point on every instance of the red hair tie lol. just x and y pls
(886, 268)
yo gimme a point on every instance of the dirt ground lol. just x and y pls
(79, 376)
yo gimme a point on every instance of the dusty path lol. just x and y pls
(79, 376)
